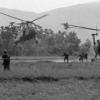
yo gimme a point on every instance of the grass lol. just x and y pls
(51, 69)
(45, 80)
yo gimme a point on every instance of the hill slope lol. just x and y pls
(85, 15)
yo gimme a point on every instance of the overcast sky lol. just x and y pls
(40, 5)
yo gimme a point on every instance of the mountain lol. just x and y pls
(4, 20)
(87, 15)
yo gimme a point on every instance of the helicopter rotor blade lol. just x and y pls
(34, 24)
(95, 29)
(12, 16)
(81, 27)
(39, 17)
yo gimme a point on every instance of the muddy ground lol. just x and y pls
(50, 81)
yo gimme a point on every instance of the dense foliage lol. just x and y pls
(45, 43)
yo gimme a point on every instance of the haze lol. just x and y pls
(39, 6)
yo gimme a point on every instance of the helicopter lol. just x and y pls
(26, 31)
(96, 45)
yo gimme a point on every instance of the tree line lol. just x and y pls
(47, 43)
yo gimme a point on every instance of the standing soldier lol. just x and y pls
(6, 60)
(81, 57)
(97, 49)
(66, 57)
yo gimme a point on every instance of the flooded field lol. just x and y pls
(46, 80)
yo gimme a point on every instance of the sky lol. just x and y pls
(39, 6)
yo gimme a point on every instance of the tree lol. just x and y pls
(50, 43)
(8, 35)
(63, 42)
(72, 43)
(85, 47)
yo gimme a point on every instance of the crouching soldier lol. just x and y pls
(6, 60)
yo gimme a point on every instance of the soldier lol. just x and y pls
(97, 49)
(86, 56)
(6, 60)
(66, 57)
(83, 56)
